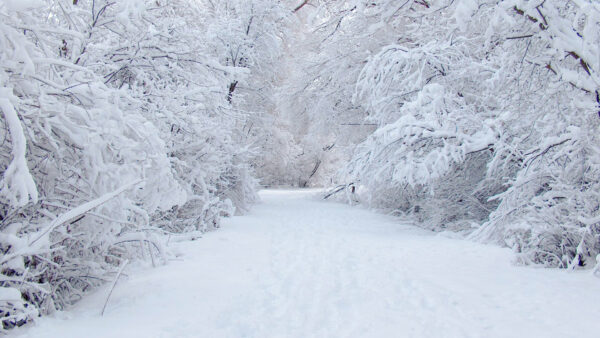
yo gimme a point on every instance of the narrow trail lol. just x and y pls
(300, 267)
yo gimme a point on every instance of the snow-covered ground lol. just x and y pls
(300, 267)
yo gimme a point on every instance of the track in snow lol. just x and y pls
(300, 267)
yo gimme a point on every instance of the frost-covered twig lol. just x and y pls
(112, 286)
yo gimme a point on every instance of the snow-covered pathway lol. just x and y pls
(299, 267)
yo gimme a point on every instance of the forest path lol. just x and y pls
(296, 266)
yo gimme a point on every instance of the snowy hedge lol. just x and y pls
(488, 117)
(117, 131)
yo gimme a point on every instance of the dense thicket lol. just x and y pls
(121, 127)
(486, 113)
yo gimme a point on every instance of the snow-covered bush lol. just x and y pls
(116, 129)
(487, 116)
(73, 141)
(549, 212)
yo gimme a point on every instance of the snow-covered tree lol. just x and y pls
(487, 113)
(117, 129)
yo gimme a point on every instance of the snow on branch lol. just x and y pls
(17, 185)
(80, 210)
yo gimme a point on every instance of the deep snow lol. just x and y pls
(300, 267)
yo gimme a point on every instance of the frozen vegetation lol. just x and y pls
(130, 127)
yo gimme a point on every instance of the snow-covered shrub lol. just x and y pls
(183, 89)
(116, 129)
(492, 109)
(429, 156)
(72, 141)
(549, 212)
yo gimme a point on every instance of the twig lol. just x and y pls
(336, 190)
(519, 37)
(299, 7)
(112, 287)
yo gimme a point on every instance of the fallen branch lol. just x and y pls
(337, 189)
